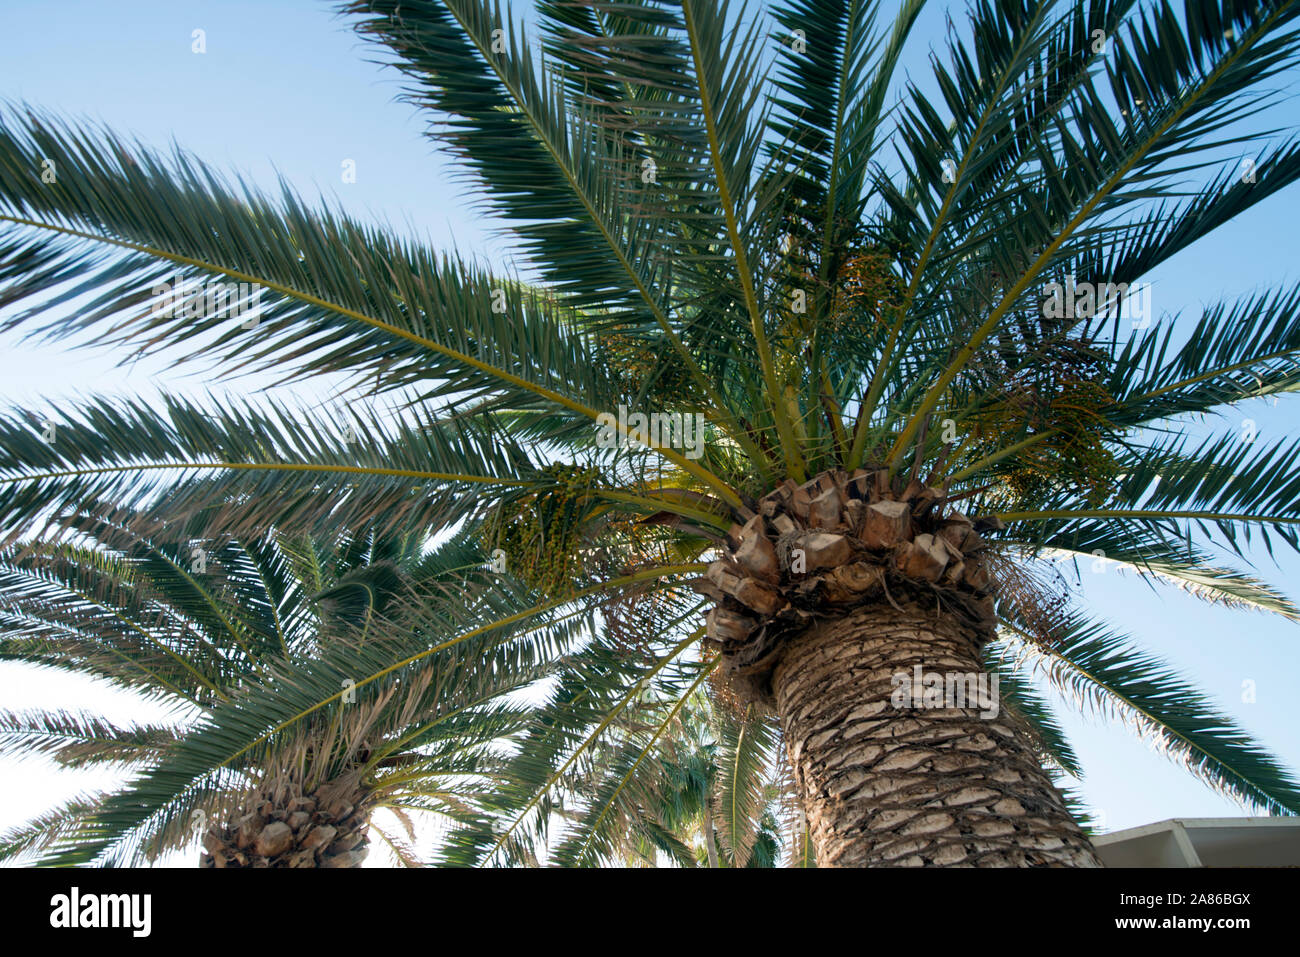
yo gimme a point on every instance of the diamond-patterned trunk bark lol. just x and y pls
(886, 784)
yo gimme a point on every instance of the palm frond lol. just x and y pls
(1099, 671)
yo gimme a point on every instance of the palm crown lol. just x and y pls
(214, 631)
(842, 277)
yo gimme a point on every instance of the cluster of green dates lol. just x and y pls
(1076, 454)
(540, 532)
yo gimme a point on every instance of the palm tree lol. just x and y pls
(195, 627)
(747, 225)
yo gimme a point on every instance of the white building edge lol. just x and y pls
(1204, 842)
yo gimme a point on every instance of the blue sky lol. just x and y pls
(285, 89)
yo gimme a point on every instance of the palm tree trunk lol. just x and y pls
(710, 841)
(885, 783)
(287, 826)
